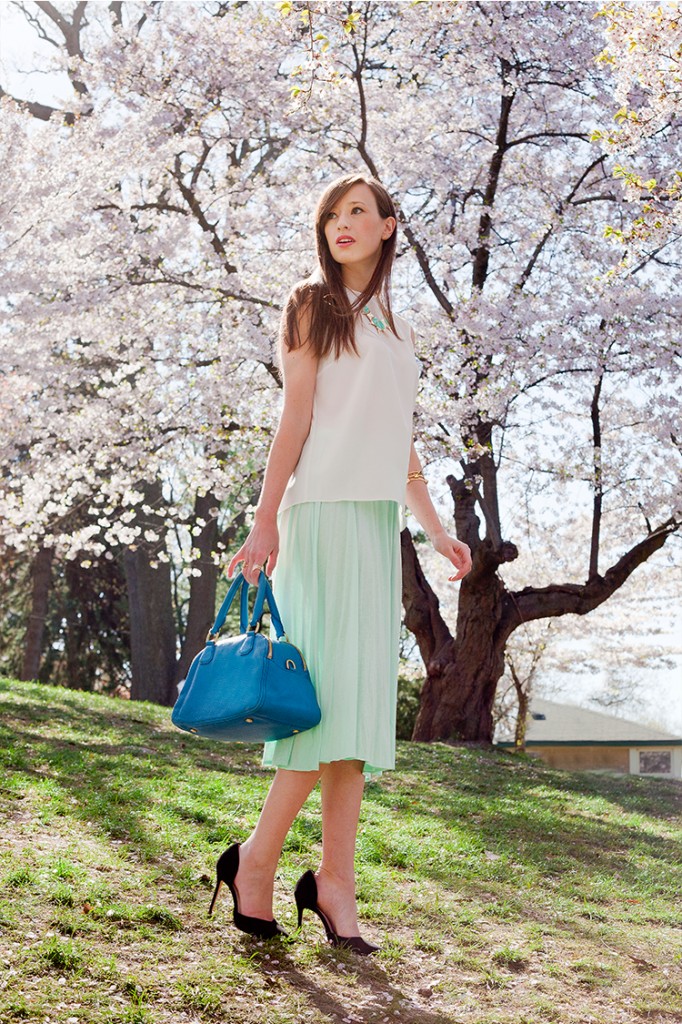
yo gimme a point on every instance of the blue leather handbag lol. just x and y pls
(247, 687)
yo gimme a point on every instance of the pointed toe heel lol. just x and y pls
(226, 872)
(305, 895)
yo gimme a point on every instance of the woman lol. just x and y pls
(341, 465)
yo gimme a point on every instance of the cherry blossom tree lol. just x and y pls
(122, 358)
(173, 201)
(644, 52)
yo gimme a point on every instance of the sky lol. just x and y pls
(659, 694)
(19, 41)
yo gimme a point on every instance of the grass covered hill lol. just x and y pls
(501, 892)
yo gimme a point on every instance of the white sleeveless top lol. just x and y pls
(358, 447)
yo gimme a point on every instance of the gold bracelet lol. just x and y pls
(416, 476)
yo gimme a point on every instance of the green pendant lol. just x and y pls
(374, 320)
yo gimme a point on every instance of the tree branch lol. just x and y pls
(41, 111)
(597, 482)
(579, 599)
(71, 30)
(200, 217)
(419, 251)
(548, 135)
(482, 250)
(541, 244)
(422, 614)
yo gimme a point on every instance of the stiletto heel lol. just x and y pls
(226, 871)
(305, 895)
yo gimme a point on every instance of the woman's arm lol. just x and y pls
(299, 372)
(419, 502)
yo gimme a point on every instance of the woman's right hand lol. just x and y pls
(261, 543)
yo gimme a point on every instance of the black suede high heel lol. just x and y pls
(305, 895)
(226, 871)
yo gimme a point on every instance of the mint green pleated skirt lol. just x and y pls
(338, 588)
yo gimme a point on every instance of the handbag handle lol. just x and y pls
(244, 608)
(264, 591)
(225, 607)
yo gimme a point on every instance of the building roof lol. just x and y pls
(568, 723)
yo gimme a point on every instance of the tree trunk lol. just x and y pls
(74, 615)
(152, 627)
(459, 691)
(202, 589)
(462, 672)
(523, 689)
(41, 580)
(523, 697)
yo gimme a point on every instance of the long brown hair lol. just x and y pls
(322, 296)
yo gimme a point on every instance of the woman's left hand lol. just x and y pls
(458, 553)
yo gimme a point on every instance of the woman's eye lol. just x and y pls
(355, 209)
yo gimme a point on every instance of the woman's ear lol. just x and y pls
(389, 228)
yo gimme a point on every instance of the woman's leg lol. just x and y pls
(258, 856)
(342, 788)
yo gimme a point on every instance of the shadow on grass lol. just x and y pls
(452, 766)
(111, 764)
(381, 998)
(549, 823)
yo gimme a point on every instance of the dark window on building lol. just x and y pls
(655, 762)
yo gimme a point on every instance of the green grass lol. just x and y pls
(500, 891)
